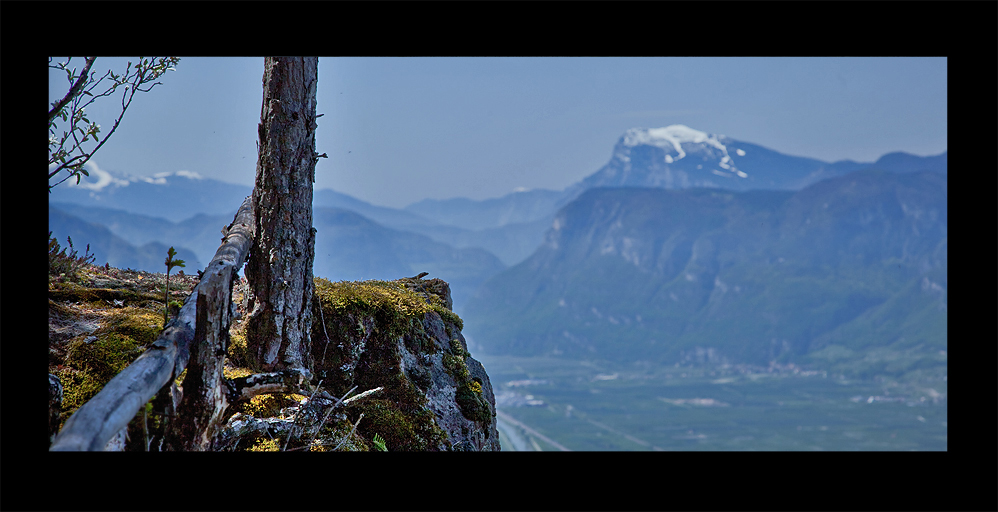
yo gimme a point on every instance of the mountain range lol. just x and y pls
(107, 247)
(673, 157)
(822, 275)
(678, 156)
(681, 206)
(348, 246)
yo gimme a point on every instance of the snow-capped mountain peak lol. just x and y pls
(678, 156)
(672, 135)
(677, 142)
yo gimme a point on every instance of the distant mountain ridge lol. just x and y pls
(511, 226)
(848, 273)
(678, 156)
(112, 249)
(514, 208)
(673, 157)
(348, 245)
(175, 196)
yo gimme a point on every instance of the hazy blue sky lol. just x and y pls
(398, 130)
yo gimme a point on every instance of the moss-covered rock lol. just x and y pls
(402, 335)
(399, 335)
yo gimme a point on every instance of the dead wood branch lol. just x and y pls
(245, 427)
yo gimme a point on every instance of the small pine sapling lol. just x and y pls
(170, 263)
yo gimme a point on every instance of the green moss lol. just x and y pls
(469, 396)
(458, 349)
(391, 302)
(449, 317)
(401, 430)
(142, 325)
(473, 405)
(349, 310)
(104, 357)
(100, 297)
(92, 360)
(91, 365)
(235, 373)
(334, 432)
(78, 387)
(456, 366)
(384, 296)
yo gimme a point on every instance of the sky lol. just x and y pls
(400, 130)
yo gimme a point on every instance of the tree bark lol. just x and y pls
(280, 267)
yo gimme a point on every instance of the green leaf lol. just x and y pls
(170, 262)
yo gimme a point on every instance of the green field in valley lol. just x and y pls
(599, 406)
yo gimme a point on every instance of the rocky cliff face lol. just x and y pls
(402, 335)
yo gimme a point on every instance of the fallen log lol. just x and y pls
(103, 416)
(308, 419)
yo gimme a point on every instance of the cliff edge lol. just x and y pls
(400, 336)
(403, 335)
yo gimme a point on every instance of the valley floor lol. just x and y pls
(553, 404)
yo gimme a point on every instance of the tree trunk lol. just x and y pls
(280, 267)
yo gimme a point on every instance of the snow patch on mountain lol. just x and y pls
(673, 138)
(99, 179)
(160, 178)
(103, 178)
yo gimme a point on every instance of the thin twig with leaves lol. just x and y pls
(72, 109)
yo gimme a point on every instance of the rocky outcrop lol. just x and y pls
(402, 335)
